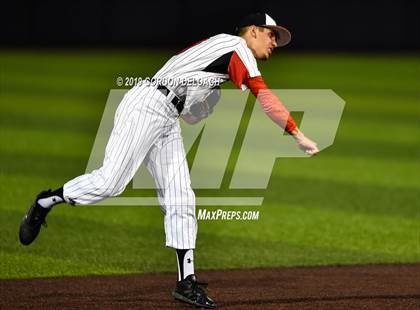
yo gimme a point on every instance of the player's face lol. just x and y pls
(265, 43)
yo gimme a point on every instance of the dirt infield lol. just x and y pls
(352, 287)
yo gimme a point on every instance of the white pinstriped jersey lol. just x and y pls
(192, 73)
(147, 130)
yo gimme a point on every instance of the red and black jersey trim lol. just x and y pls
(220, 65)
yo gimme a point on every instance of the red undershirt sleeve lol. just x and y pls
(271, 105)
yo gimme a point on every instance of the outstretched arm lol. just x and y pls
(275, 109)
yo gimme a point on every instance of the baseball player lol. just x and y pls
(146, 130)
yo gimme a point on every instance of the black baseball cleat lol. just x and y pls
(33, 219)
(190, 291)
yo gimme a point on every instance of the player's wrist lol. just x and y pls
(297, 134)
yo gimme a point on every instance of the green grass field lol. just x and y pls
(356, 203)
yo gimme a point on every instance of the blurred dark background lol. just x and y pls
(315, 25)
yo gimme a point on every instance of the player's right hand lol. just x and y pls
(308, 146)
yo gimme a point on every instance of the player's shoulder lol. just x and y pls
(221, 40)
(227, 38)
(235, 42)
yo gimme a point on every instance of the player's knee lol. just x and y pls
(191, 197)
(185, 197)
(112, 191)
(111, 185)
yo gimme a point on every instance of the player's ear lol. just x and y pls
(253, 31)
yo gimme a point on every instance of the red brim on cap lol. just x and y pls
(283, 35)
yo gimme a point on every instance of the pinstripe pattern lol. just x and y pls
(146, 129)
(167, 164)
(141, 118)
(192, 61)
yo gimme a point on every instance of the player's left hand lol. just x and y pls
(190, 119)
(204, 108)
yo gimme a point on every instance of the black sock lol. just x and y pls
(58, 192)
(185, 263)
(52, 199)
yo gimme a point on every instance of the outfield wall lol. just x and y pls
(316, 25)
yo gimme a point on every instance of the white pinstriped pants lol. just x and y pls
(146, 129)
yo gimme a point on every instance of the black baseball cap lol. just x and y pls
(264, 20)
